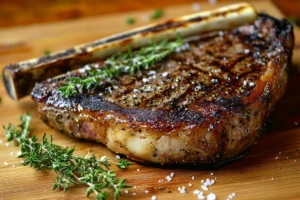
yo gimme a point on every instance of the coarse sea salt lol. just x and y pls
(211, 196)
(168, 178)
(196, 6)
(212, 1)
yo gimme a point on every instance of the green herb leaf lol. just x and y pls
(71, 170)
(46, 52)
(130, 20)
(123, 163)
(129, 62)
(157, 14)
(293, 19)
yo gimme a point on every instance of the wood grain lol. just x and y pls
(24, 12)
(256, 176)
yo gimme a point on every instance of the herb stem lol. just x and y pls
(70, 169)
(129, 62)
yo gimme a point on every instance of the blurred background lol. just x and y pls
(25, 12)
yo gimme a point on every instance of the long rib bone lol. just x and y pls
(20, 78)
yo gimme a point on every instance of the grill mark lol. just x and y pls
(210, 58)
(250, 72)
(222, 67)
(235, 62)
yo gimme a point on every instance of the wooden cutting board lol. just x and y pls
(270, 170)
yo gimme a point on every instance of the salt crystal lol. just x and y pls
(81, 70)
(211, 196)
(211, 174)
(182, 190)
(168, 178)
(145, 80)
(212, 1)
(153, 198)
(7, 144)
(146, 191)
(138, 170)
(152, 72)
(201, 197)
(126, 191)
(5, 163)
(204, 187)
(172, 174)
(190, 184)
(196, 6)
(164, 74)
(193, 177)
(12, 153)
(118, 157)
(87, 67)
(1, 142)
(196, 191)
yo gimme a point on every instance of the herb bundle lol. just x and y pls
(71, 170)
(123, 63)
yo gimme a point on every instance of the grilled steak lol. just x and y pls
(204, 105)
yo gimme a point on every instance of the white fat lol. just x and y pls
(139, 146)
(145, 144)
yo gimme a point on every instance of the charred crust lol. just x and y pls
(175, 112)
(57, 56)
(223, 105)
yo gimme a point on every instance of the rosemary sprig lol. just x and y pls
(122, 63)
(71, 170)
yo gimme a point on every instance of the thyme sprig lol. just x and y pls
(95, 173)
(122, 63)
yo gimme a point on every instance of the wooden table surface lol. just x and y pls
(24, 12)
(259, 175)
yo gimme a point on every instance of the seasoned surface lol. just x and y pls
(204, 105)
(220, 69)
